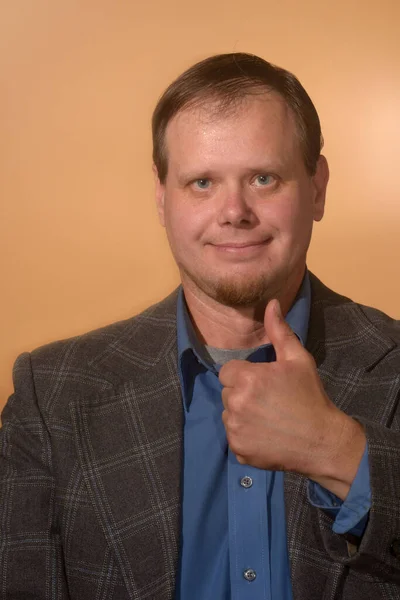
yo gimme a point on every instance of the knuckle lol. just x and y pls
(238, 403)
(246, 376)
(311, 361)
(232, 428)
(307, 359)
(225, 395)
(235, 446)
(224, 373)
(228, 372)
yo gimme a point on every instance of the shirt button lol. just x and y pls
(246, 482)
(249, 574)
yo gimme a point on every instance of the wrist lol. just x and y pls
(346, 445)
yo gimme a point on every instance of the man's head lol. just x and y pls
(227, 79)
(240, 178)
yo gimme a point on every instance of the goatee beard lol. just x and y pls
(236, 293)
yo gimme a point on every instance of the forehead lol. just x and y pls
(260, 125)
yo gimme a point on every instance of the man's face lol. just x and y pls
(238, 204)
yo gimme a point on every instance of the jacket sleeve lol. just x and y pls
(377, 552)
(31, 563)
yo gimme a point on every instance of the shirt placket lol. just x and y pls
(248, 532)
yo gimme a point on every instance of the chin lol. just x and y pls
(240, 293)
(241, 296)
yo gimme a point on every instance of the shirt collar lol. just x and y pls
(187, 338)
(298, 316)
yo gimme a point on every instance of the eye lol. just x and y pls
(263, 180)
(202, 184)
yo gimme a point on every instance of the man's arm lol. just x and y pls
(351, 514)
(30, 550)
(279, 417)
(377, 551)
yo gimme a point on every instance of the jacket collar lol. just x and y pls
(141, 342)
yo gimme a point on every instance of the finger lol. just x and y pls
(225, 397)
(228, 372)
(286, 344)
(241, 459)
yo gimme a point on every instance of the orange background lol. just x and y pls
(80, 244)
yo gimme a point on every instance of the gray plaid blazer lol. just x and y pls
(90, 463)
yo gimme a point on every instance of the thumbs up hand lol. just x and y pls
(278, 416)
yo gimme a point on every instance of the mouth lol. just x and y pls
(241, 248)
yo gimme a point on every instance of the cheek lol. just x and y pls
(185, 222)
(291, 216)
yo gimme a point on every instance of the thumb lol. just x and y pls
(281, 336)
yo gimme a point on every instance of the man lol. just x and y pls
(241, 438)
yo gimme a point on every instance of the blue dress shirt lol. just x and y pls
(233, 536)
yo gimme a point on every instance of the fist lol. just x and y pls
(277, 415)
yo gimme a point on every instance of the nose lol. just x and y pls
(235, 209)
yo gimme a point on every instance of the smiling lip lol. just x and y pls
(234, 247)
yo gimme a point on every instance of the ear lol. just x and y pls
(160, 196)
(320, 181)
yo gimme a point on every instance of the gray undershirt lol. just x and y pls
(220, 356)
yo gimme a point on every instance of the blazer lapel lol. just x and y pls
(129, 443)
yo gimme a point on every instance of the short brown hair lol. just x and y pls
(229, 78)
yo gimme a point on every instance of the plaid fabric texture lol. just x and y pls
(91, 450)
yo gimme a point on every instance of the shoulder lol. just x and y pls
(362, 333)
(87, 346)
(86, 361)
(381, 321)
(327, 301)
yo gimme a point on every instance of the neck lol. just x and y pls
(227, 327)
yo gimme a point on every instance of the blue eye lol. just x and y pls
(202, 184)
(263, 180)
